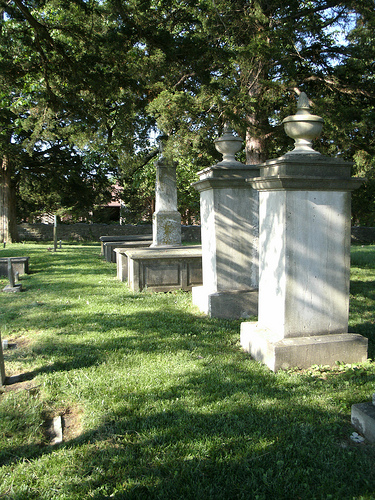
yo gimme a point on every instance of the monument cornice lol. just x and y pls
(306, 183)
(223, 183)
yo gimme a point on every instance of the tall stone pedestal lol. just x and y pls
(229, 229)
(166, 227)
(304, 264)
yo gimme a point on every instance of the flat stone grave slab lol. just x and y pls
(129, 237)
(110, 247)
(165, 269)
(20, 265)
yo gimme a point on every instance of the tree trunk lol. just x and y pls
(255, 148)
(8, 222)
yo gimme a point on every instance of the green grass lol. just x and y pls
(161, 401)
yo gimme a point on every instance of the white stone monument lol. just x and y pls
(166, 228)
(304, 261)
(229, 230)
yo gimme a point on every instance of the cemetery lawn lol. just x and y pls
(160, 402)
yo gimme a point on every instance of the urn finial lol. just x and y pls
(228, 145)
(303, 127)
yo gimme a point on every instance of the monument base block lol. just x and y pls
(363, 419)
(302, 352)
(233, 304)
(166, 229)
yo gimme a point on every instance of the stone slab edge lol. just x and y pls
(363, 420)
(302, 352)
(165, 253)
(13, 289)
(228, 304)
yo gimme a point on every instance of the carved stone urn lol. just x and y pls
(303, 127)
(228, 145)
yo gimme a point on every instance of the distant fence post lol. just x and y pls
(54, 233)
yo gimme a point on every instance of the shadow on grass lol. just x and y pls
(362, 319)
(251, 437)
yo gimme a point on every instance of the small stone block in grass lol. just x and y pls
(363, 419)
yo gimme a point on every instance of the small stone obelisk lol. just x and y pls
(166, 221)
(304, 256)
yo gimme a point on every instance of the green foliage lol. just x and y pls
(101, 75)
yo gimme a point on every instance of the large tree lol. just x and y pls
(98, 74)
(256, 55)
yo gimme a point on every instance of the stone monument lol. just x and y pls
(304, 261)
(166, 265)
(229, 231)
(166, 227)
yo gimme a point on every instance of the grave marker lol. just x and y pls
(229, 218)
(12, 287)
(304, 261)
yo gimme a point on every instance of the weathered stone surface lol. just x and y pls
(109, 247)
(19, 265)
(229, 218)
(164, 269)
(363, 420)
(232, 304)
(166, 221)
(304, 260)
(122, 258)
(14, 288)
(166, 229)
(304, 351)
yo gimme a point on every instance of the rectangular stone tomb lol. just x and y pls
(122, 258)
(165, 269)
(129, 237)
(20, 265)
(109, 247)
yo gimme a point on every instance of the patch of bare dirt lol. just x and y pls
(71, 423)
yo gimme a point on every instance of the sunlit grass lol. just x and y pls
(163, 401)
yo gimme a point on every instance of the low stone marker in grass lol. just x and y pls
(122, 258)
(19, 264)
(165, 269)
(363, 419)
(13, 286)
